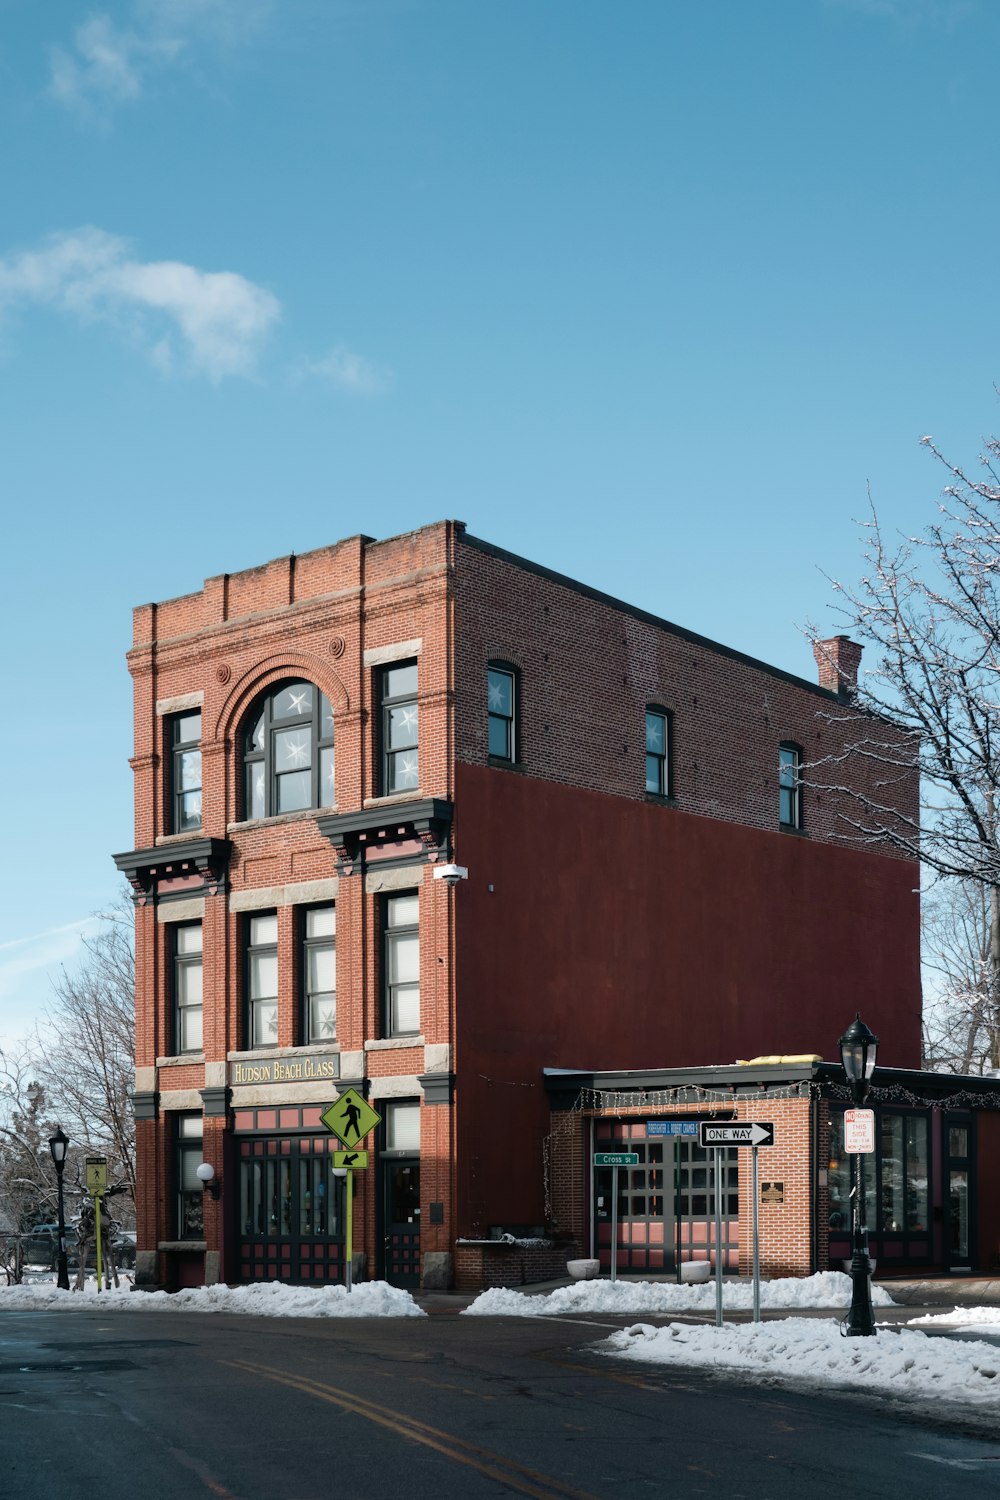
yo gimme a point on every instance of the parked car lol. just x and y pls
(123, 1245)
(41, 1246)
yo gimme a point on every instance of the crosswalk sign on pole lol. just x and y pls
(350, 1118)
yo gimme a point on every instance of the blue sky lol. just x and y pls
(647, 292)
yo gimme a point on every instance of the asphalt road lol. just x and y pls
(149, 1406)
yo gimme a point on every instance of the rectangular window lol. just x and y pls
(500, 699)
(185, 771)
(398, 705)
(190, 1193)
(657, 752)
(319, 974)
(790, 786)
(402, 1125)
(262, 980)
(402, 965)
(187, 987)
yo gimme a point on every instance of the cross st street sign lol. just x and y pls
(616, 1158)
(736, 1133)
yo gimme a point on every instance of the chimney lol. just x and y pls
(838, 660)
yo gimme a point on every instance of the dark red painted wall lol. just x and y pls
(987, 1197)
(628, 935)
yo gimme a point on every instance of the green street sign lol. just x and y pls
(357, 1160)
(616, 1158)
(350, 1118)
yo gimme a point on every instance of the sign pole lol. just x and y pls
(718, 1237)
(97, 1234)
(614, 1223)
(349, 1187)
(756, 1238)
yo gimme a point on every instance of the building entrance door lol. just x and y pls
(291, 1224)
(401, 1187)
(958, 1204)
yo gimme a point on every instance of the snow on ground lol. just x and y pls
(963, 1317)
(270, 1299)
(812, 1350)
(825, 1289)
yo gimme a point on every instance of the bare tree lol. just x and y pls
(929, 605)
(85, 1053)
(959, 1024)
(27, 1175)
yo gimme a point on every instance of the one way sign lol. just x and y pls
(742, 1133)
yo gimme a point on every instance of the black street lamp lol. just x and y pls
(58, 1145)
(858, 1049)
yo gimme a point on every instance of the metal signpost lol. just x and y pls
(350, 1118)
(95, 1176)
(614, 1160)
(752, 1133)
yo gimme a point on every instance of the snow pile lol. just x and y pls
(813, 1350)
(825, 1289)
(270, 1299)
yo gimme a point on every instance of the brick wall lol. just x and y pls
(589, 668)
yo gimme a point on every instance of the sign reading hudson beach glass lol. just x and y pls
(284, 1070)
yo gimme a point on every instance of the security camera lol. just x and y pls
(451, 873)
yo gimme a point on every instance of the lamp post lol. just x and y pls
(858, 1049)
(58, 1145)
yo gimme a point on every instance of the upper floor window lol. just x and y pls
(288, 752)
(501, 704)
(185, 771)
(658, 752)
(402, 964)
(398, 708)
(790, 786)
(319, 974)
(187, 987)
(262, 980)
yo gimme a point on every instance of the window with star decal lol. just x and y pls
(501, 711)
(288, 752)
(399, 728)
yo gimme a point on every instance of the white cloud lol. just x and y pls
(212, 321)
(349, 372)
(25, 956)
(107, 66)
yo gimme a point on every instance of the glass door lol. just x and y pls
(291, 1210)
(958, 1216)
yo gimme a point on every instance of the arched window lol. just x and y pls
(288, 751)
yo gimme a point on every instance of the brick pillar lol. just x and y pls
(838, 660)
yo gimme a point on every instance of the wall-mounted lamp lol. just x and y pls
(450, 874)
(206, 1176)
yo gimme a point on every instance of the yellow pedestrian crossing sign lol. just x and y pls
(356, 1160)
(95, 1170)
(350, 1118)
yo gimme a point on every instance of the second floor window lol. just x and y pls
(187, 987)
(185, 772)
(398, 727)
(500, 707)
(319, 974)
(657, 752)
(402, 964)
(790, 786)
(262, 981)
(288, 752)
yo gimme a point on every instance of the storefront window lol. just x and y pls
(896, 1179)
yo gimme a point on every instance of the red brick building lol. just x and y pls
(651, 884)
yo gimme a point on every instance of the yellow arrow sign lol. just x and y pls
(356, 1159)
(350, 1118)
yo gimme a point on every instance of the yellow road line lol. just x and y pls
(490, 1464)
